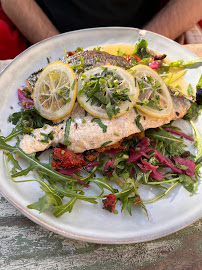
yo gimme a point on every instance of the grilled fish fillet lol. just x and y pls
(89, 135)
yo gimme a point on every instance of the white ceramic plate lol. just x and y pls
(90, 222)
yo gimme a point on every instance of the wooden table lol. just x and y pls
(25, 245)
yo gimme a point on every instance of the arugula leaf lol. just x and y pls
(23, 172)
(31, 115)
(44, 202)
(102, 184)
(75, 193)
(166, 143)
(26, 120)
(44, 168)
(59, 210)
(158, 197)
(99, 122)
(187, 182)
(145, 177)
(182, 64)
(15, 131)
(198, 139)
(141, 49)
(144, 208)
(123, 196)
(14, 161)
(193, 112)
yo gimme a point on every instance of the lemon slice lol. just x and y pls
(55, 91)
(107, 91)
(154, 98)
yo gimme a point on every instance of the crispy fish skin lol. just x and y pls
(92, 58)
(89, 135)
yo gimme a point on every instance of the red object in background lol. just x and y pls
(12, 41)
(200, 23)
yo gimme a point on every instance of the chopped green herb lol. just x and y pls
(67, 128)
(135, 109)
(47, 136)
(99, 122)
(152, 105)
(73, 84)
(138, 124)
(97, 60)
(106, 143)
(116, 134)
(97, 48)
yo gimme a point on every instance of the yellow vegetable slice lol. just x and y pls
(154, 98)
(55, 91)
(107, 91)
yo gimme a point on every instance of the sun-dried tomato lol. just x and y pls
(137, 57)
(63, 158)
(109, 202)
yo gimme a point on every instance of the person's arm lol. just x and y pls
(176, 17)
(29, 19)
